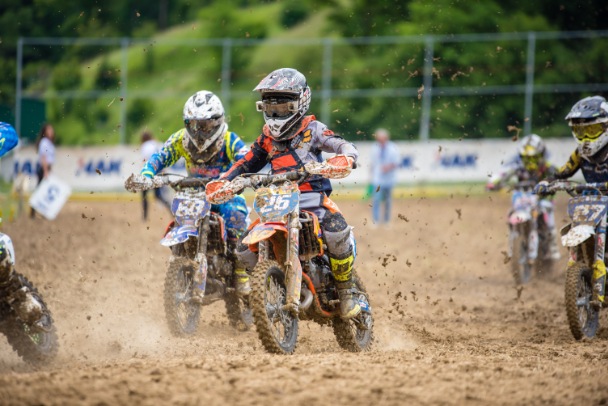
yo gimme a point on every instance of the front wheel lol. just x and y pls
(182, 313)
(520, 264)
(582, 317)
(35, 344)
(356, 334)
(276, 326)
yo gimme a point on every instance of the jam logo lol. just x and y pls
(407, 162)
(98, 166)
(25, 166)
(457, 160)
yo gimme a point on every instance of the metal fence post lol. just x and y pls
(427, 82)
(124, 44)
(326, 81)
(226, 72)
(18, 94)
(529, 95)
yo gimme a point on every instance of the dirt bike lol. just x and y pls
(283, 292)
(529, 237)
(585, 237)
(25, 318)
(201, 256)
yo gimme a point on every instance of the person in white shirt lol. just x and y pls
(149, 146)
(385, 161)
(45, 145)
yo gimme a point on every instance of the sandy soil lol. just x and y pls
(451, 326)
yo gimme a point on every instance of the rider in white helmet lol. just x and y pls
(209, 150)
(588, 120)
(532, 165)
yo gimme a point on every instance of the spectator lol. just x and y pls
(385, 161)
(149, 145)
(45, 145)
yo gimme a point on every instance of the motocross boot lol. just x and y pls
(241, 278)
(342, 269)
(553, 251)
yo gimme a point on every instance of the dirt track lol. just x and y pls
(450, 326)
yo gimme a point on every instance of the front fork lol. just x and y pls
(599, 267)
(532, 248)
(200, 277)
(293, 267)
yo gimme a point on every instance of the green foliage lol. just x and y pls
(108, 77)
(66, 76)
(155, 68)
(294, 12)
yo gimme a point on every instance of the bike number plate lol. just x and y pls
(274, 205)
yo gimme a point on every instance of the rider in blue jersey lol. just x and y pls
(209, 149)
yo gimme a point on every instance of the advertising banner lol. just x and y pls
(98, 169)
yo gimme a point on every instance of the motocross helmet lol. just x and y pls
(588, 120)
(532, 152)
(205, 125)
(285, 99)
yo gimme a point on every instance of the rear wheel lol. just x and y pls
(182, 313)
(520, 264)
(35, 344)
(582, 317)
(276, 326)
(356, 334)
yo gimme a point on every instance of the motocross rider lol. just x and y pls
(209, 150)
(532, 165)
(289, 140)
(12, 287)
(588, 120)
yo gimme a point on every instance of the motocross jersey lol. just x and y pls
(516, 170)
(174, 148)
(312, 138)
(594, 168)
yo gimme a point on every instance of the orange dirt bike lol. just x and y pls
(201, 256)
(25, 319)
(292, 280)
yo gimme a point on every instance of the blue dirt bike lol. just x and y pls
(201, 256)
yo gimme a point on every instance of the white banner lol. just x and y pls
(93, 169)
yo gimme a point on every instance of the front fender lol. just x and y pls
(179, 234)
(262, 232)
(520, 216)
(577, 234)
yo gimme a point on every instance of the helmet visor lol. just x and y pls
(203, 129)
(275, 109)
(589, 132)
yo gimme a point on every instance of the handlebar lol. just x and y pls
(573, 188)
(188, 183)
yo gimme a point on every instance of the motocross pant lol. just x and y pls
(235, 215)
(13, 289)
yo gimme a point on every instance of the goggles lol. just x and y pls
(277, 109)
(203, 129)
(589, 132)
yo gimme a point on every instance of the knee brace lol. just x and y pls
(245, 256)
(337, 235)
